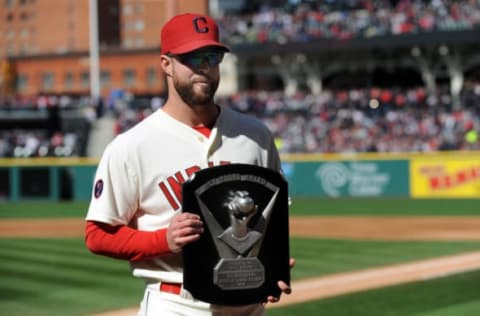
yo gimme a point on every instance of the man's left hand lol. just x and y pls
(284, 287)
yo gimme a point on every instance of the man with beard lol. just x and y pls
(135, 211)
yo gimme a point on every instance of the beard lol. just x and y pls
(192, 96)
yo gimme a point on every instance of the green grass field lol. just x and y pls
(51, 276)
(385, 206)
(60, 277)
(456, 295)
(300, 206)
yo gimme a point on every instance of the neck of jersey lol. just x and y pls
(204, 130)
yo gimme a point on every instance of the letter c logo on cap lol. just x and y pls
(197, 24)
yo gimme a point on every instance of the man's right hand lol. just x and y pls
(184, 228)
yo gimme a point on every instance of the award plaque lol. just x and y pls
(244, 250)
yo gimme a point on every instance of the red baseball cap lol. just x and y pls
(188, 32)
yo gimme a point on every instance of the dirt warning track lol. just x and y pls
(356, 227)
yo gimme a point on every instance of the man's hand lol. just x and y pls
(283, 286)
(184, 228)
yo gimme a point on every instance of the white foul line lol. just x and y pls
(343, 283)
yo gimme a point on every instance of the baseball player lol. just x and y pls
(135, 211)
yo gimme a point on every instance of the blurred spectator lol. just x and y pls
(50, 140)
(341, 120)
(357, 120)
(302, 21)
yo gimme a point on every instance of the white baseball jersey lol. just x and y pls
(139, 177)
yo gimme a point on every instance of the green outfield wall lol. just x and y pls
(342, 178)
(454, 174)
(449, 175)
(47, 178)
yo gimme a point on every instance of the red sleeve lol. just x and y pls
(123, 242)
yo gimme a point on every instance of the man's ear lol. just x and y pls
(166, 64)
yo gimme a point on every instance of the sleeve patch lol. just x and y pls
(98, 188)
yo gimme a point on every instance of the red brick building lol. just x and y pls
(44, 45)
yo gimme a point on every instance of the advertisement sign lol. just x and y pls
(454, 177)
(363, 178)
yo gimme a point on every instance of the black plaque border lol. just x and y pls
(200, 257)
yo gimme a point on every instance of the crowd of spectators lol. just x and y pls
(34, 127)
(301, 21)
(366, 120)
(358, 120)
(21, 143)
(127, 114)
(334, 121)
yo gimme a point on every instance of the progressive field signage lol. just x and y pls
(366, 178)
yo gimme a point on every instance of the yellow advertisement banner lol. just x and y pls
(445, 176)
